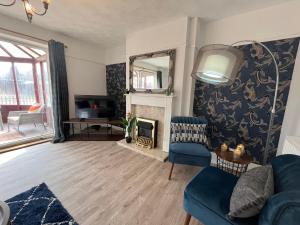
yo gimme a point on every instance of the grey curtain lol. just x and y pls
(60, 93)
(159, 79)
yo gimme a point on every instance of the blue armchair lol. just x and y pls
(188, 142)
(207, 196)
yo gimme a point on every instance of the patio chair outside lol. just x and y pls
(18, 118)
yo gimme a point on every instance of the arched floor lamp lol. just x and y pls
(220, 64)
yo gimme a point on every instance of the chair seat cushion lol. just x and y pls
(13, 118)
(189, 154)
(189, 149)
(207, 197)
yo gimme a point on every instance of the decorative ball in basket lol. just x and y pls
(224, 147)
(239, 151)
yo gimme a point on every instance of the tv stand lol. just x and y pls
(88, 135)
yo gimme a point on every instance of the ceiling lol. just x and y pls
(106, 22)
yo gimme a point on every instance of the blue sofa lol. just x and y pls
(188, 153)
(207, 196)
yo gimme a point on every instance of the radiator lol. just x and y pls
(291, 145)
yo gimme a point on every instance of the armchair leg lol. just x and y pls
(170, 175)
(187, 219)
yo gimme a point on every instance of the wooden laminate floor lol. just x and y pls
(100, 183)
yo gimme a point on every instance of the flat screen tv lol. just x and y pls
(94, 106)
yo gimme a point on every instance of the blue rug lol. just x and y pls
(38, 206)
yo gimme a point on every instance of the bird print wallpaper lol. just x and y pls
(116, 85)
(240, 113)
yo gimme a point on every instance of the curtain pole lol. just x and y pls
(26, 35)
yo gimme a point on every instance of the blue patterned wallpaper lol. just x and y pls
(116, 85)
(228, 108)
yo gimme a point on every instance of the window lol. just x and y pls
(3, 53)
(29, 51)
(40, 82)
(14, 50)
(7, 87)
(47, 83)
(144, 78)
(23, 75)
(38, 51)
(25, 83)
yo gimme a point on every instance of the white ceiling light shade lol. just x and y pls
(218, 64)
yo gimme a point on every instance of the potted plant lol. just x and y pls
(129, 124)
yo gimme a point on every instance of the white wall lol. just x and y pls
(115, 55)
(277, 22)
(86, 78)
(85, 62)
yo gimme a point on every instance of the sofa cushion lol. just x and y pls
(189, 119)
(212, 187)
(34, 108)
(192, 133)
(286, 168)
(13, 118)
(282, 209)
(189, 154)
(207, 197)
(189, 149)
(251, 192)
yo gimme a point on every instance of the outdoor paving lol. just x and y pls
(26, 131)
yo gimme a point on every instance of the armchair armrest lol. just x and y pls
(16, 113)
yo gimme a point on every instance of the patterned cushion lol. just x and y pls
(194, 133)
(251, 192)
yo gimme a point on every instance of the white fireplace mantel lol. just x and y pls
(157, 100)
(154, 100)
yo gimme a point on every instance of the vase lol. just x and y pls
(128, 139)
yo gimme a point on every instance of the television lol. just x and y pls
(94, 106)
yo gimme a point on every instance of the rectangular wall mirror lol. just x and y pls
(152, 72)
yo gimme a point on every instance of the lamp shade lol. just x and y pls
(218, 64)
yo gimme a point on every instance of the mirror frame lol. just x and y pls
(169, 89)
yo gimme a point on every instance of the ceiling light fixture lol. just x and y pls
(29, 9)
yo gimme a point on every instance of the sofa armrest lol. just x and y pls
(281, 209)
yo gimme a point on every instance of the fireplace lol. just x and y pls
(146, 133)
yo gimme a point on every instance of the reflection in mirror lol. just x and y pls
(151, 73)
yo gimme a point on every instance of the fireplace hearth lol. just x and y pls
(146, 133)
